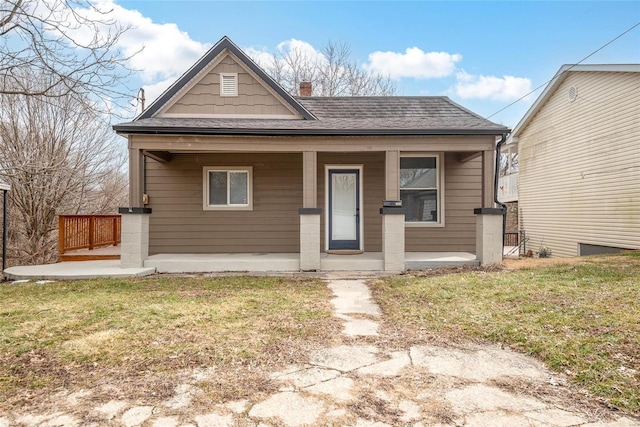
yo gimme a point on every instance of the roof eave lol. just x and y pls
(159, 130)
(559, 77)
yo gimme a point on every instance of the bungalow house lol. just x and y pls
(230, 172)
(578, 184)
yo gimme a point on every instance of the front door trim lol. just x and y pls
(327, 190)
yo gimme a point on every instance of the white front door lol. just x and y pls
(343, 225)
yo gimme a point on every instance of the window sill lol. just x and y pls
(227, 208)
(424, 224)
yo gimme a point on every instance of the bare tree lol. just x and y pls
(331, 71)
(507, 167)
(59, 157)
(73, 41)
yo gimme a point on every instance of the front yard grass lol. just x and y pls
(137, 333)
(581, 318)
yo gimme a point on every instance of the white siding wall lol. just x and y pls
(579, 179)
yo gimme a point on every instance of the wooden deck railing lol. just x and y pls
(511, 238)
(87, 232)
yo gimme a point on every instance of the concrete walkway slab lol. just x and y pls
(76, 270)
(293, 409)
(345, 358)
(354, 297)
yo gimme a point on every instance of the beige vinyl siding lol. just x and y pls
(372, 187)
(579, 178)
(462, 194)
(178, 223)
(204, 97)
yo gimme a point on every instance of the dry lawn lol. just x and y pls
(580, 316)
(135, 337)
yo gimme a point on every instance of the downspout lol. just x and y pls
(495, 189)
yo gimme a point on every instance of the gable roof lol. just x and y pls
(385, 115)
(224, 43)
(559, 77)
(389, 115)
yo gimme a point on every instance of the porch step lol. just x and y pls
(367, 261)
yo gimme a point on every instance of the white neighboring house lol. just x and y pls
(578, 184)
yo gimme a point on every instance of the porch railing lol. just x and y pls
(511, 238)
(87, 232)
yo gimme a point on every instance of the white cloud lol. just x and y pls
(290, 52)
(414, 62)
(154, 90)
(505, 88)
(302, 48)
(161, 50)
(261, 56)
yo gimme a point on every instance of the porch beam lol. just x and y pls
(465, 157)
(199, 144)
(159, 156)
(488, 170)
(309, 179)
(136, 177)
(392, 175)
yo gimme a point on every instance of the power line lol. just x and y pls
(573, 65)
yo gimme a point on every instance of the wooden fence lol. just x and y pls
(87, 232)
(511, 238)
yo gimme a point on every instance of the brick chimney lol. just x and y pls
(305, 89)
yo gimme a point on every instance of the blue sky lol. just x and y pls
(483, 55)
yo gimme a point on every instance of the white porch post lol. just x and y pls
(488, 218)
(134, 248)
(392, 217)
(489, 235)
(309, 214)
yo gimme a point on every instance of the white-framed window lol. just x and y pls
(228, 188)
(228, 84)
(421, 188)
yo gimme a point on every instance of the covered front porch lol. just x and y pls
(364, 264)
(285, 223)
(290, 262)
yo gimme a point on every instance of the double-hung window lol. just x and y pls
(420, 188)
(228, 188)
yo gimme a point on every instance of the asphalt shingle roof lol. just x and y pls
(339, 116)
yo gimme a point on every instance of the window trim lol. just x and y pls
(439, 156)
(205, 188)
(235, 89)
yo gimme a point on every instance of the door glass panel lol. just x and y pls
(343, 201)
(217, 188)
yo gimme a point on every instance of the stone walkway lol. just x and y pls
(361, 385)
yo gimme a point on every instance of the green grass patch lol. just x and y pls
(74, 333)
(581, 318)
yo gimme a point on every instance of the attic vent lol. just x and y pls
(229, 84)
(573, 93)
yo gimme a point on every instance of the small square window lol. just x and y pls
(227, 188)
(228, 84)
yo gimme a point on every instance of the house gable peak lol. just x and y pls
(200, 91)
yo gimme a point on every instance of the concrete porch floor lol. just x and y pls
(74, 270)
(251, 263)
(290, 262)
